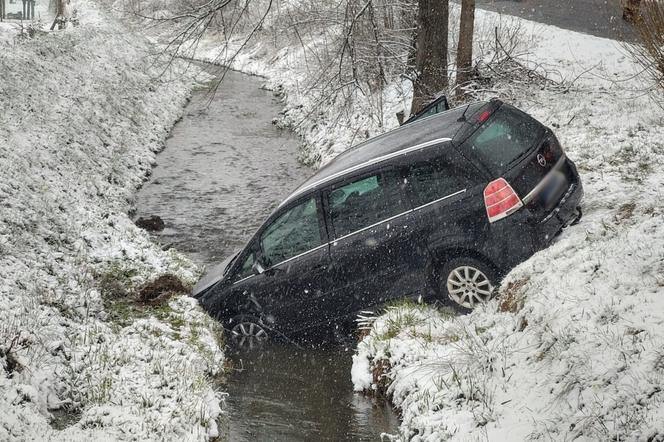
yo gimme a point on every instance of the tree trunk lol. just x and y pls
(630, 10)
(431, 55)
(59, 12)
(464, 59)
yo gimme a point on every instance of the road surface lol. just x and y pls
(602, 18)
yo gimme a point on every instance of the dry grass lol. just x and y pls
(625, 212)
(649, 54)
(513, 297)
(380, 370)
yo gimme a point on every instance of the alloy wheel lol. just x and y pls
(248, 335)
(468, 286)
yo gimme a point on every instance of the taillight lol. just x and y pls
(484, 116)
(500, 200)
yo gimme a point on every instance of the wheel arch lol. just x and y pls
(444, 254)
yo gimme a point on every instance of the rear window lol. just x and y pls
(504, 138)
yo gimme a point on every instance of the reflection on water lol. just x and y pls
(224, 168)
(281, 393)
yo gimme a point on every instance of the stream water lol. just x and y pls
(224, 168)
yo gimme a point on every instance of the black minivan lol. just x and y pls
(438, 209)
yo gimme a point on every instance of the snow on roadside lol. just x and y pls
(578, 353)
(81, 119)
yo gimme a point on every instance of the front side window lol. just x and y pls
(364, 202)
(247, 267)
(294, 232)
(435, 179)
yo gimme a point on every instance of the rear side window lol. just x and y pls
(365, 202)
(436, 179)
(505, 137)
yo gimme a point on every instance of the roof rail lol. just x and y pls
(376, 160)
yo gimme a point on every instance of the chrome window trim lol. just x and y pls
(334, 242)
(243, 279)
(459, 192)
(544, 181)
(371, 226)
(398, 215)
(362, 165)
(286, 260)
(297, 256)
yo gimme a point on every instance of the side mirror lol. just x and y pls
(258, 268)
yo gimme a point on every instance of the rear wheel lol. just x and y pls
(247, 332)
(467, 282)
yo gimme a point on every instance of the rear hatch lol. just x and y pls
(510, 144)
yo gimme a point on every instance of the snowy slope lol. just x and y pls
(82, 116)
(580, 355)
(328, 127)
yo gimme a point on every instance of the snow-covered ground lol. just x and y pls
(82, 115)
(578, 352)
(573, 347)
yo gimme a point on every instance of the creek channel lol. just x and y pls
(224, 168)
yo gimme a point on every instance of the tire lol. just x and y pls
(467, 282)
(247, 332)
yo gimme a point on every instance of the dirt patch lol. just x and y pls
(625, 212)
(151, 299)
(12, 364)
(513, 298)
(161, 289)
(65, 417)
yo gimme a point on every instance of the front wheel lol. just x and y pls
(468, 282)
(247, 333)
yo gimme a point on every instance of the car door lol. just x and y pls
(293, 250)
(374, 257)
(446, 195)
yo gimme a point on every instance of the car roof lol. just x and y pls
(433, 130)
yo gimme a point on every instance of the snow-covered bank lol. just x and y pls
(81, 119)
(331, 124)
(573, 349)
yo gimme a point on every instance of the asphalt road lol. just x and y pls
(602, 18)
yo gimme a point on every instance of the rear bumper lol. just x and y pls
(521, 235)
(566, 212)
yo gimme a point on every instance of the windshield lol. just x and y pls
(503, 138)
